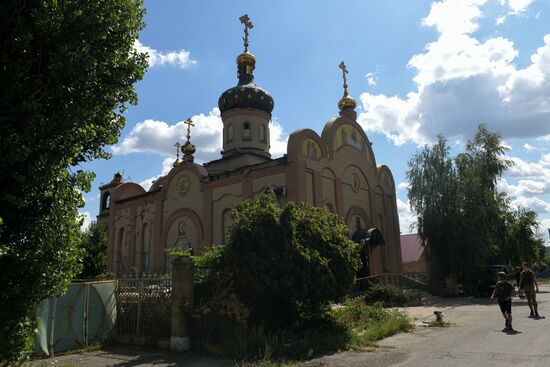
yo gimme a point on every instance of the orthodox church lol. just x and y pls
(191, 206)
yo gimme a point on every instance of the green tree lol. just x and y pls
(523, 242)
(432, 195)
(94, 248)
(461, 216)
(68, 69)
(287, 263)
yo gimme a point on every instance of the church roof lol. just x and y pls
(411, 247)
(246, 95)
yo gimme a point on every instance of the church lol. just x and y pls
(191, 206)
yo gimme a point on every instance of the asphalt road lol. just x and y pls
(474, 339)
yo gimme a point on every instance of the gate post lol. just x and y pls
(182, 300)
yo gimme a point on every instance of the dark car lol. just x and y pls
(488, 278)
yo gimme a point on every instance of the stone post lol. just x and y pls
(182, 300)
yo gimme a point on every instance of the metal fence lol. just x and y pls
(362, 285)
(144, 307)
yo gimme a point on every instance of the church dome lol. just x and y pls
(246, 93)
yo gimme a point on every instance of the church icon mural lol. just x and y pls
(311, 149)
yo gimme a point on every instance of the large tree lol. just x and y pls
(464, 223)
(67, 74)
(432, 195)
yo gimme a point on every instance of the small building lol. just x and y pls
(191, 206)
(412, 253)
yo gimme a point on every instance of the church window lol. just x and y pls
(263, 135)
(230, 133)
(357, 223)
(119, 261)
(146, 233)
(246, 131)
(106, 201)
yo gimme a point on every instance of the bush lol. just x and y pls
(371, 322)
(288, 263)
(388, 293)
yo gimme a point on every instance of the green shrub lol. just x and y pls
(19, 346)
(388, 293)
(288, 262)
(371, 322)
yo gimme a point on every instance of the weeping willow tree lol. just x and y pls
(463, 221)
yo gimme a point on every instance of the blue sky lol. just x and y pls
(416, 68)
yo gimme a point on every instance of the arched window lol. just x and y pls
(146, 233)
(106, 202)
(357, 223)
(246, 131)
(263, 135)
(120, 252)
(230, 133)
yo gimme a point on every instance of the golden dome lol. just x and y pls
(188, 148)
(347, 102)
(246, 58)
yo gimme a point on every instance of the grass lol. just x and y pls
(352, 326)
(437, 323)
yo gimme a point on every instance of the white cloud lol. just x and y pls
(544, 226)
(371, 79)
(533, 203)
(454, 16)
(167, 165)
(278, 140)
(515, 7)
(181, 58)
(528, 147)
(519, 6)
(462, 82)
(522, 168)
(403, 186)
(86, 218)
(406, 217)
(159, 137)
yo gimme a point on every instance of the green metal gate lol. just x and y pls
(83, 316)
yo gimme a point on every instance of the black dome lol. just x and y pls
(246, 95)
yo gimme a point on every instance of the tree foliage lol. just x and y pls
(94, 251)
(68, 69)
(463, 221)
(288, 262)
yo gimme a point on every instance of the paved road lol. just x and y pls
(475, 339)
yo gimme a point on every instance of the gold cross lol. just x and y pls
(247, 25)
(178, 146)
(189, 123)
(344, 72)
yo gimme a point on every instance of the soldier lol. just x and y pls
(528, 282)
(504, 292)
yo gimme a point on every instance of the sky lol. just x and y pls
(416, 68)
